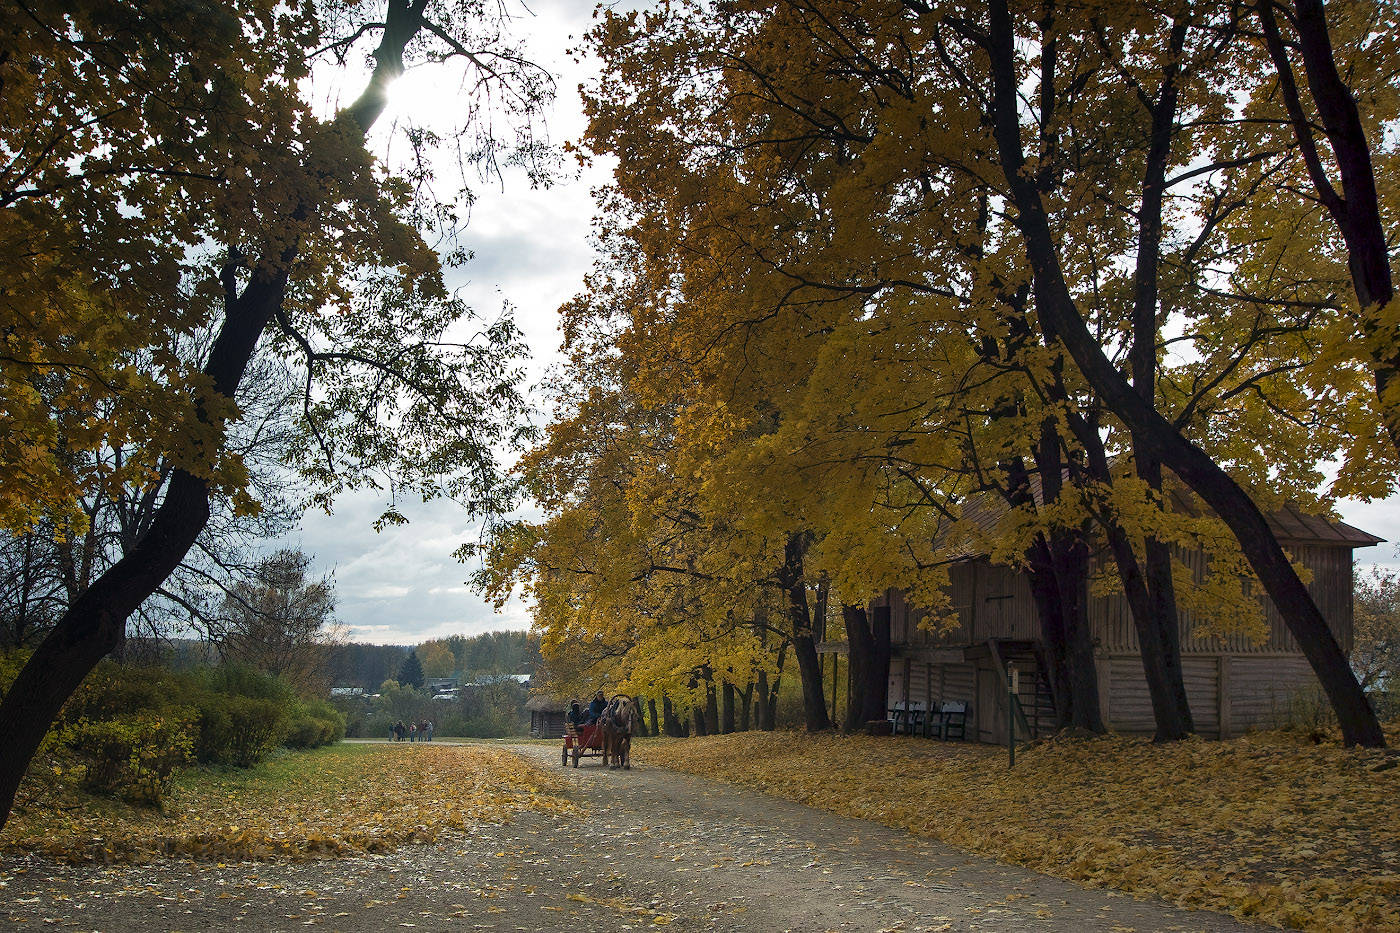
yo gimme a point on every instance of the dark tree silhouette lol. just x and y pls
(411, 671)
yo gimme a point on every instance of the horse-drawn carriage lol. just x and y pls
(610, 738)
(582, 742)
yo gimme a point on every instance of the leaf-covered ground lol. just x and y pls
(343, 800)
(1261, 827)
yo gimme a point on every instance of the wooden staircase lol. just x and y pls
(1036, 701)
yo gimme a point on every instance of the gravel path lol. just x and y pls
(657, 849)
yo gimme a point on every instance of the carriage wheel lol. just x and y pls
(564, 756)
(576, 751)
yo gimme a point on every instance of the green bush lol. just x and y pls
(113, 690)
(353, 710)
(238, 730)
(314, 724)
(131, 756)
(127, 728)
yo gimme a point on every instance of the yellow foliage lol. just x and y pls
(338, 801)
(1262, 827)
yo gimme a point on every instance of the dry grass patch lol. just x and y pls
(1262, 827)
(346, 799)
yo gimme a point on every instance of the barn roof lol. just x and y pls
(1291, 524)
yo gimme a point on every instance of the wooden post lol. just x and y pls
(835, 667)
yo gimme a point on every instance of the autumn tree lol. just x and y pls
(436, 658)
(837, 235)
(1375, 652)
(630, 583)
(279, 621)
(996, 35)
(1322, 104)
(168, 175)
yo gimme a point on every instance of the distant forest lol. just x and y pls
(363, 665)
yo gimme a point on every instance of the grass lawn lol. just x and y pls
(341, 799)
(1263, 827)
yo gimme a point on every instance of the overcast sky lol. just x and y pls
(532, 249)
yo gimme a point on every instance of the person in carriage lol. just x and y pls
(595, 709)
(575, 715)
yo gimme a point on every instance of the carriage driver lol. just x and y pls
(575, 714)
(595, 709)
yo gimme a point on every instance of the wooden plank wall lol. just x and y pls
(931, 684)
(995, 602)
(1254, 691)
(988, 602)
(1331, 586)
(1262, 689)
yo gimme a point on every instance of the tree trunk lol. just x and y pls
(746, 707)
(813, 692)
(655, 728)
(804, 647)
(670, 723)
(1058, 567)
(95, 621)
(1151, 600)
(1162, 649)
(1063, 322)
(761, 702)
(860, 648)
(697, 718)
(711, 708)
(1162, 590)
(767, 701)
(1070, 557)
(726, 720)
(877, 697)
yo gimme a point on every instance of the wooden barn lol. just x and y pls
(546, 716)
(1233, 684)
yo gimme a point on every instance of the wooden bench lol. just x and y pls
(950, 720)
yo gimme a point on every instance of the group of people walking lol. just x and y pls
(413, 732)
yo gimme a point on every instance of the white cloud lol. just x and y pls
(531, 248)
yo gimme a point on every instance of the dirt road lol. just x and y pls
(658, 849)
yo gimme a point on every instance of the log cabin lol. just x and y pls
(1233, 684)
(546, 716)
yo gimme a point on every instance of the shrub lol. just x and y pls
(113, 691)
(239, 730)
(1308, 711)
(133, 756)
(314, 724)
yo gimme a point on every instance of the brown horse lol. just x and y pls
(618, 722)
